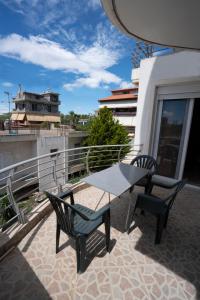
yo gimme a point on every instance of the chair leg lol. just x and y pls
(107, 230)
(80, 253)
(57, 237)
(148, 188)
(166, 219)
(131, 189)
(136, 205)
(159, 229)
(142, 212)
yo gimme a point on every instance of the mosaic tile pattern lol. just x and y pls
(134, 269)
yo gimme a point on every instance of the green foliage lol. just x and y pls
(104, 130)
(72, 119)
(45, 125)
(4, 117)
(6, 213)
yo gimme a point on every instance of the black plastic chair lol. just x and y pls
(78, 222)
(146, 162)
(163, 182)
(158, 207)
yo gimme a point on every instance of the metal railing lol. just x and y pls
(27, 180)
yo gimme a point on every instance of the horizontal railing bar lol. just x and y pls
(3, 197)
(3, 187)
(4, 178)
(24, 177)
(46, 168)
(45, 175)
(75, 154)
(23, 186)
(20, 171)
(9, 221)
(58, 152)
(75, 159)
(92, 167)
(31, 191)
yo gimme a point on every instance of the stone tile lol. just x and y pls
(93, 284)
(134, 269)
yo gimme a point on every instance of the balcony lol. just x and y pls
(135, 268)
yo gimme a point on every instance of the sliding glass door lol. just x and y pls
(170, 135)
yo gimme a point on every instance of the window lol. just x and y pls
(34, 107)
(52, 151)
(131, 111)
(49, 108)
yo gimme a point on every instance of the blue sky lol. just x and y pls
(67, 46)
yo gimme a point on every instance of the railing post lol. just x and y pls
(20, 214)
(58, 185)
(119, 153)
(87, 161)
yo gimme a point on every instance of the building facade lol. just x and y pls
(34, 109)
(168, 117)
(123, 104)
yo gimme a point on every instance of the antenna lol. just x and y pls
(20, 88)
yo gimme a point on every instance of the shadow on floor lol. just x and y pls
(33, 234)
(18, 280)
(95, 247)
(179, 250)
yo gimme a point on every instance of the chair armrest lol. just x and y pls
(99, 213)
(65, 194)
(150, 203)
(93, 216)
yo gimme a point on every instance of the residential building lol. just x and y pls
(168, 114)
(34, 145)
(123, 104)
(34, 109)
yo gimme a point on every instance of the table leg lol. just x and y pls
(128, 215)
(99, 200)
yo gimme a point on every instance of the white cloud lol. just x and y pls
(94, 4)
(44, 14)
(89, 63)
(94, 80)
(7, 84)
(3, 108)
(126, 85)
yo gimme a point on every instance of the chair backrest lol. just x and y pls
(170, 199)
(64, 213)
(145, 161)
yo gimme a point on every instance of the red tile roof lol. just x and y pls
(127, 89)
(119, 97)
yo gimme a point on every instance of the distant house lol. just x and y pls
(34, 109)
(123, 104)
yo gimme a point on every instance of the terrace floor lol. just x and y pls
(134, 269)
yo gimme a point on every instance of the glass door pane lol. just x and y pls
(171, 130)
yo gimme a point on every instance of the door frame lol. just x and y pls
(173, 93)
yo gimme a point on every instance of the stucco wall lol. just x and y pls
(181, 67)
(13, 152)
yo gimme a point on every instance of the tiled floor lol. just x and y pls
(135, 268)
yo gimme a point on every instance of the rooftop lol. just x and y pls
(119, 97)
(134, 269)
(127, 89)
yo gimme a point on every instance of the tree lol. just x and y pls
(104, 130)
(73, 118)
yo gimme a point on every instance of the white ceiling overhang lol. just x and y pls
(173, 23)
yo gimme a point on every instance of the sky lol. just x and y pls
(67, 46)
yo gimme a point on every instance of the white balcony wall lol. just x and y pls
(126, 120)
(170, 70)
(119, 104)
